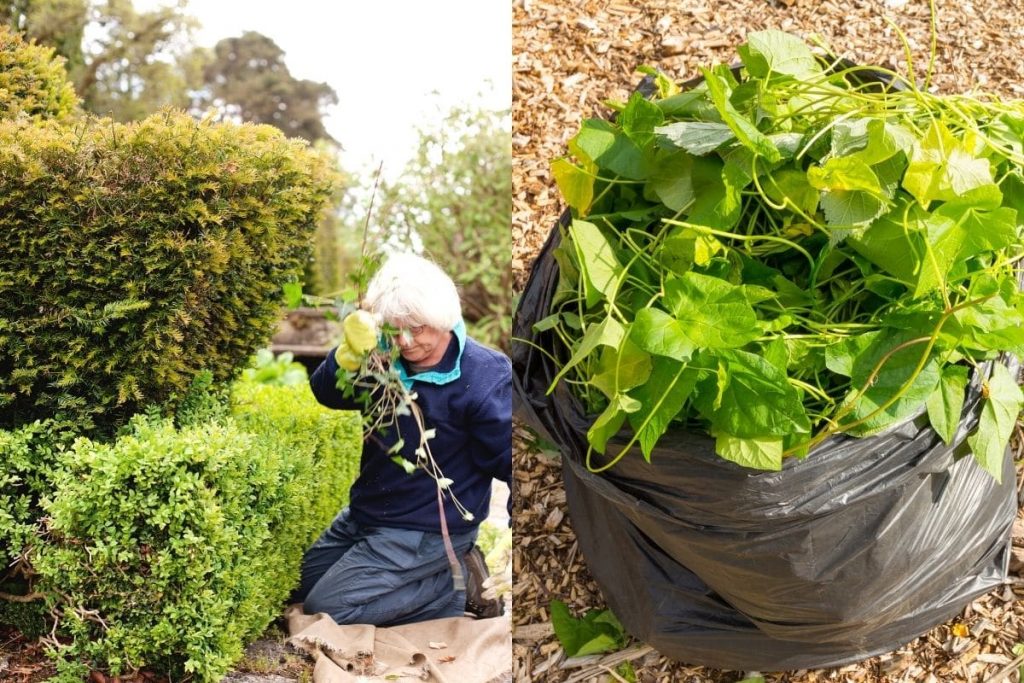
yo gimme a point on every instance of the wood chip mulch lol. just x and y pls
(568, 57)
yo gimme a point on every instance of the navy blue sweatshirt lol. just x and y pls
(467, 399)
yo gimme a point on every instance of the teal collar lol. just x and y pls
(438, 376)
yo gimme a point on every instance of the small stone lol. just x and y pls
(673, 45)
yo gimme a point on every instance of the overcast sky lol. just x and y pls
(384, 58)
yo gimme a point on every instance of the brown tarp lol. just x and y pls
(453, 650)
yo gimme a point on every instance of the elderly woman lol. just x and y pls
(384, 560)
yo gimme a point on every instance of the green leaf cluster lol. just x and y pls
(789, 250)
(172, 546)
(30, 456)
(136, 255)
(33, 82)
(281, 370)
(598, 631)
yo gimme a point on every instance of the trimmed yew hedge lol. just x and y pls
(135, 255)
(172, 546)
(33, 81)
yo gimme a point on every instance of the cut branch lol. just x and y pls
(29, 597)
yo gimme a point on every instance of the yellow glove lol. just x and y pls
(499, 583)
(360, 337)
(360, 331)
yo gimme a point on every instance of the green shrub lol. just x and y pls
(29, 456)
(171, 547)
(136, 254)
(33, 81)
(281, 370)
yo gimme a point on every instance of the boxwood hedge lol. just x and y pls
(170, 547)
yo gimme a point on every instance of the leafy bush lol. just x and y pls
(141, 253)
(172, 546)
(29, 456)
(33, 81)
(279, 371)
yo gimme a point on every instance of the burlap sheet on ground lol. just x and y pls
(455, 650)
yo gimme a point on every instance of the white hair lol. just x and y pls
(410, 290)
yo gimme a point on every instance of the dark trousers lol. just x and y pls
(381, 575)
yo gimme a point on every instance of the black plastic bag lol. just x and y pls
(852, 552)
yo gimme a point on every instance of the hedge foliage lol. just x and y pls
(29, 457)
(172, 546)
(33, 81)
(136, 254)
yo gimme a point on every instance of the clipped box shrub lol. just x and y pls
(136, 254)
(28, 458)
(33, 81)
(172, 547)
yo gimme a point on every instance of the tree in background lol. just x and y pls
(133, 64)
(248, 78)
(128, 64)
(59, 24)
(455, 197)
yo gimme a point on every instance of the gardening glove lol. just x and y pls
(360, 337)
(500, 583)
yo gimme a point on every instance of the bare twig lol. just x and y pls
(28, 597)
(1000, 675)
(591, 668)
(366, 229)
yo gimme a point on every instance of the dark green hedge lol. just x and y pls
(171, 547)
(33, 81)
(133, 255)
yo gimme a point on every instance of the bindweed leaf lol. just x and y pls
(844, 173)
(611, 149)
(757, 402)
(947, 402)
(943, 167)
(575, 184)
(873, 408)
(746, 132)
(609, 422)
(672, 179)
(696, 137)
(656, 332)
(711, 312)
(622, 368)
(404, 464)
(597, 259)
(608, 332)
(661, 398)
(598, 631)
(760, 454)
(1003, 399)
(839, 357)
(640, 119)
(791, 185)
(775, 52)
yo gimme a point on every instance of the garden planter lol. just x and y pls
(307, 334)
(851, 552)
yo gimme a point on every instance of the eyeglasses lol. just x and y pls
(413, 331)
